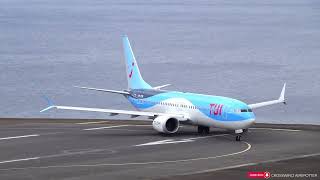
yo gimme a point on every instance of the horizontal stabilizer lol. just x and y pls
(104, 90)
(50, 104)
(162, 86)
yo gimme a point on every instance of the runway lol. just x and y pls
(97, 149)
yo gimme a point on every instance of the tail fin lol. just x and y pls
(135, 80)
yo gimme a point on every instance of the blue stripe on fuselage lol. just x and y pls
(202, 102)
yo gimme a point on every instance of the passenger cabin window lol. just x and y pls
(249, 110)
(244, 110)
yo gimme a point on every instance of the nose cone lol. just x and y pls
(250, 117)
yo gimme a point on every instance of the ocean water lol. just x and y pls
(244, 50)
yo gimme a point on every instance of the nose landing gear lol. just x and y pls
(238, 134)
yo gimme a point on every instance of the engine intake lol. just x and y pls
(165, 124)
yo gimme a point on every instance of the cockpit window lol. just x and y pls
(242, 110)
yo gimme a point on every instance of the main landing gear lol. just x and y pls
(203, 130)
(238, 138)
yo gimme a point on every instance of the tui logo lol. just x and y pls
(216, 109)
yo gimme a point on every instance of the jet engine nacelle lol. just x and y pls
(165, 124)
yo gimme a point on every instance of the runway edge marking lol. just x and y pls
(18, 160)
(105, 127)
(17, 137)
(167, 141)
(176, 141)
(96, 122)
(109, 127)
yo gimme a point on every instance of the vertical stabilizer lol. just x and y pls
(135, 80)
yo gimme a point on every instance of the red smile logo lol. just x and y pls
(130, 75)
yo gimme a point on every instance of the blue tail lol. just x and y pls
(135, 80)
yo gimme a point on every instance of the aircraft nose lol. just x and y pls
(249, 116)
(252, 117)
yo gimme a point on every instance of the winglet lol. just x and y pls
(282, 98)
(50, 104)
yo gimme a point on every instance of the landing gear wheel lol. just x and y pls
(206, 130)
(203, 130)
(238, 138)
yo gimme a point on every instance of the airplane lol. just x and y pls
(168, 109)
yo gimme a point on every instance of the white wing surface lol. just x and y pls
(112, 112)
(281, 99)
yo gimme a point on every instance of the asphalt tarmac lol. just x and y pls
(104, 149)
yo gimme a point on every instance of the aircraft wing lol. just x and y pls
(112, 112)
(281, 99)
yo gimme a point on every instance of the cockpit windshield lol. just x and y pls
(242, 110)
